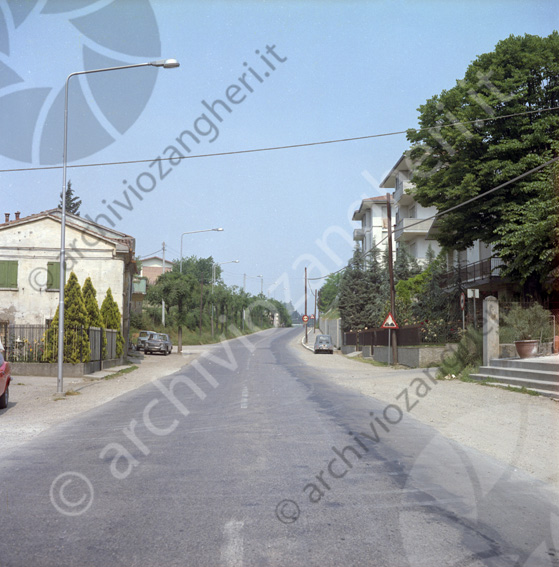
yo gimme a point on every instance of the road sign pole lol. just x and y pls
(389, 345)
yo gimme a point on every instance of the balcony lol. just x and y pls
(358, 234)
(408, 229)
(474, 273)
(401, 196)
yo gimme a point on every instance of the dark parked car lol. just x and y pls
(158, 342)
(5, 379)
(323, 343)
(144, 336)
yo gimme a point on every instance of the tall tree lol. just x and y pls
(76, 340)
(329, 292)
(73, 202)
(177, 290)
(110, 314)
(93, 314)
(353, 294)
(454, 163)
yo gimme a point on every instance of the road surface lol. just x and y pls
(249, 456)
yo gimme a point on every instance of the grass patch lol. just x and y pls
(131, 368)
(72, 393)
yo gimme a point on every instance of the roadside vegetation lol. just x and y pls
(197, 304)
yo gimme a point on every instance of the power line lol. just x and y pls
(287, 147)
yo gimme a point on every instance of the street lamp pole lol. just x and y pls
(165, 63)
(214, 266)
(194, 232)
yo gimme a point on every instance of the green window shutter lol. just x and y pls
(53, 275)
(8, 273)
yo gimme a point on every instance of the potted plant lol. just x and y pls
(528, 326)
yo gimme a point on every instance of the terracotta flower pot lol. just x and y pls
(556, 345)
(526, 349)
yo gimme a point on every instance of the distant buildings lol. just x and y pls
(152, 268)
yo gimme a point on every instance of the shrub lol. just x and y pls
(467, 356)
(522, 324)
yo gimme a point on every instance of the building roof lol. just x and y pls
(157, 258)
(124, 242)
(403, 164)
(368, 203)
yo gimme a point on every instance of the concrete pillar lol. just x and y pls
(490, 329)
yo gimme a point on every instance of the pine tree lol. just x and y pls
(110, 315)
(353, 294)
(93, 313)
(76, 340)
(73, 203)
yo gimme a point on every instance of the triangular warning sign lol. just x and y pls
(389, 323)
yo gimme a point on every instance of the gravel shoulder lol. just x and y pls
(35, 407)
(515, 428)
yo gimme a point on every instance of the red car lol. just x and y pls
(5, 379)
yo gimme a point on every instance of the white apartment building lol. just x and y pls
(373, 215)
(410, 231)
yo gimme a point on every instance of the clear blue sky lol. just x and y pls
(335, 70)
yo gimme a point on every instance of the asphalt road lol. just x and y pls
(249, 456)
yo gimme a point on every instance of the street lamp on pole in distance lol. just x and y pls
(194, 232)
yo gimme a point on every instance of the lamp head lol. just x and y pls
(165, 63)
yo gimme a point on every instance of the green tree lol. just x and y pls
(177, 290)
(199, 268)
(76, 340)
(111, 317)
(455, 163)
(377, 300)
(329, 292)
(73, 202)
(528, 238)
(93, 314)
(353, 294)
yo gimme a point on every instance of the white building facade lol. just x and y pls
(373, 215)
(410, 231)
(30, 265)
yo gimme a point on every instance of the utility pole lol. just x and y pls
(306, 336)
(244, 291)
(315, 296)
(391, 276)
(163, 301)
(201, 302)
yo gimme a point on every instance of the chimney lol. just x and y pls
(17, 215)
(7, 216)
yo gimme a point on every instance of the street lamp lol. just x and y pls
(214, 265)
(194, 232)
(166, 64)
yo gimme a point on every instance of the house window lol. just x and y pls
(53, 275)
(8, 274)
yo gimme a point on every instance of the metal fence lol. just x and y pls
(407, 336)
(34, 343)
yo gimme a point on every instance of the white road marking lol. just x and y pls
(244, 398)
(232, 549)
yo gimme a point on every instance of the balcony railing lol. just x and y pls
(402, 190)
(411, 227)
(475, 272)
